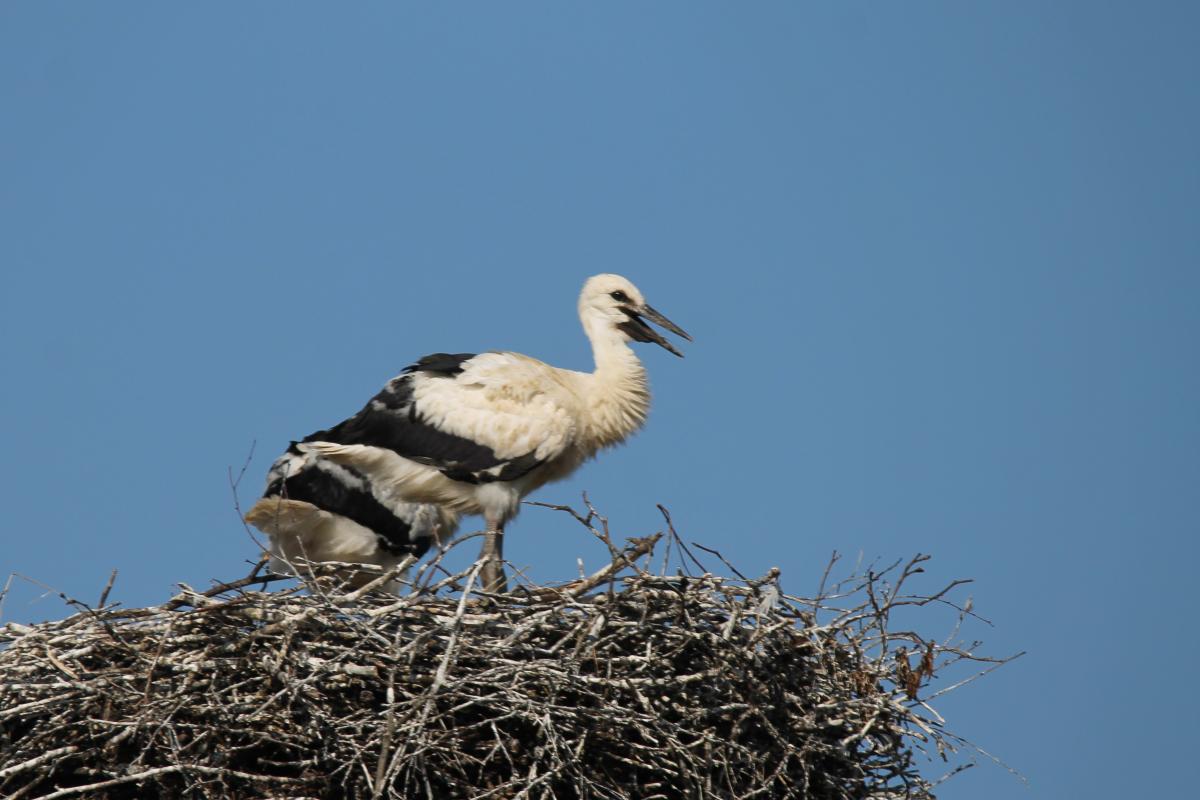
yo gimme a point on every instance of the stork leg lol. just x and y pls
(493, 557)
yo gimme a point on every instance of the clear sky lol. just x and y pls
(940, 261)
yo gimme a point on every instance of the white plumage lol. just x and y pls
(473, 434)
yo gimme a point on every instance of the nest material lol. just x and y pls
(626, 685)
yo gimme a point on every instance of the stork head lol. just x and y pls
(613, 302)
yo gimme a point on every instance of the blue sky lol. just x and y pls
(939, 259)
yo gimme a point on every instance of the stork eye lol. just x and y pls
(619, 296)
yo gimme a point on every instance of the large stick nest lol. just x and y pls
(629, 684)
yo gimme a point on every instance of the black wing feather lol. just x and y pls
(325, 489)
(449, 364)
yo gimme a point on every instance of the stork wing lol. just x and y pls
(304, 479)
(477, 419)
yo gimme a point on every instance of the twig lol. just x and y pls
(107, 588)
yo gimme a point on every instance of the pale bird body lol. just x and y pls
(473, 434)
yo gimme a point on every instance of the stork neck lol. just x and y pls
(615, 358)
(619, 396)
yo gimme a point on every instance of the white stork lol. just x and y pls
(473, 434)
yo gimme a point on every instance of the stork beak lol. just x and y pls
(637, 328)
(658, 319)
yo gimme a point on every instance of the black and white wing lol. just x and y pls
(319, 510)
(473, 419)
